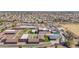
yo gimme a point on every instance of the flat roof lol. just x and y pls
(34, 30)
(40, 28)
(24, 36)
(27, 27)
(10, 31)
(54, 36)
(1, 35)
(10, 38)
(33, 38)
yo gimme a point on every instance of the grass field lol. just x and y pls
(72, 27)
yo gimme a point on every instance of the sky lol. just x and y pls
(39, 5)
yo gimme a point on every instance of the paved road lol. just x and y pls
(63, 38)
(46, 44)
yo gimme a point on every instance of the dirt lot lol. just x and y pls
(72, 27)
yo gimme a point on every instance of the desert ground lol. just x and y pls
(72, 27)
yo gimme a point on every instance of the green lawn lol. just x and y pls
(28, 31)
(46, 38)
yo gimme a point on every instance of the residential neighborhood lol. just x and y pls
(39, 29)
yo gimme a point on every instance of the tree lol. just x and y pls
(70, 43)
(13, 25)
(1, 30)
(20, 46)
(46, 38)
